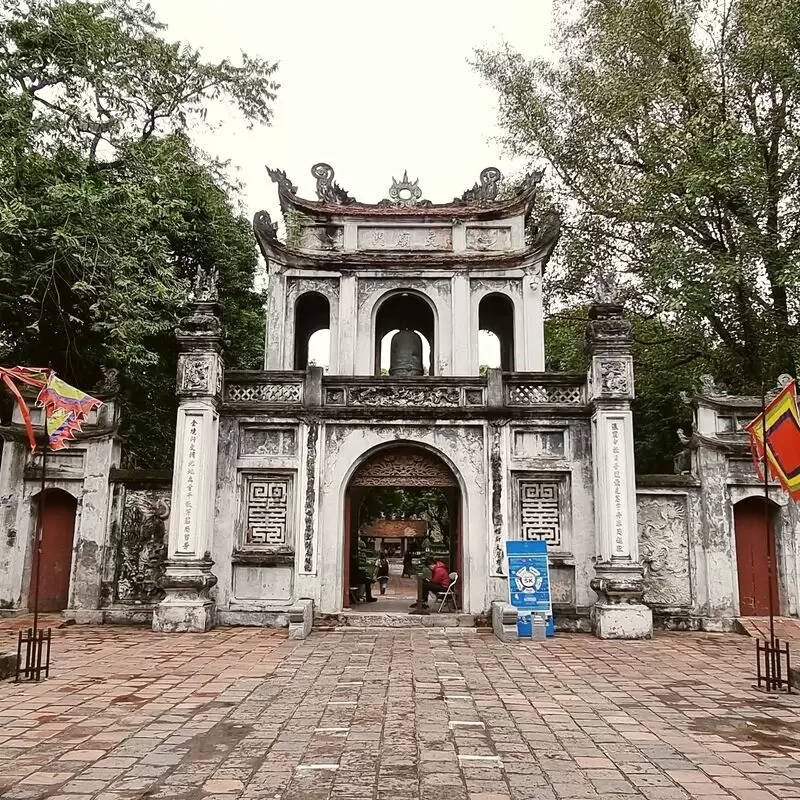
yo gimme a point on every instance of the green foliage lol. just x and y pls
(106, 208)
(396, 503)
(671, 130)
(661, 364)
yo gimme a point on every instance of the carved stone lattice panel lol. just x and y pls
(664, 549)
(263, 392)
(401, 467)
(488, 238)
(142, 546)
(531, 394)
(404, 396)
(539, 512)
(271, 441)
(405, 238)
(268, 510)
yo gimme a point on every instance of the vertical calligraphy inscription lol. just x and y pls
(496, 462)
(616, 477)
(191, 487)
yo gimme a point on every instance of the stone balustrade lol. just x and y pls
(313, 389)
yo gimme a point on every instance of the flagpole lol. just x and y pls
(39, 536)
(767, 515)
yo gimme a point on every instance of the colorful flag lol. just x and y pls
(782, 440)
(65, 407)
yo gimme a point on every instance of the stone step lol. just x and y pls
(359, 620)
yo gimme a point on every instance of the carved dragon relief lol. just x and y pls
(142, 547)
(664, 550)
(311, 496)
(614, 376)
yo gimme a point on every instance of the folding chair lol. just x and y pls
(449, 596)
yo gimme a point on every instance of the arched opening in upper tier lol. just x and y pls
(399, 311)
(496, 318)
(312, 323)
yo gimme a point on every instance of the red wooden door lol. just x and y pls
(754, 546)
(58, 528)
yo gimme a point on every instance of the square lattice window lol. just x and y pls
(542, 513)
(267, 515)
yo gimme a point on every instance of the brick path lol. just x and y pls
(786, 628)
(245, 713)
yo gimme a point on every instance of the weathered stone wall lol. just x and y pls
(82, 471)
(138, 529)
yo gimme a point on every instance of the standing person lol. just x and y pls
(407, 565)
(382, 571)
(439, 581)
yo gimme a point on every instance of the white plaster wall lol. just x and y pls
(578, 541)
(229, 517)
(275, 336)
(346, 446)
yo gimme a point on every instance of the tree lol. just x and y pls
(106, 207)
(657, 410)
(671, 131)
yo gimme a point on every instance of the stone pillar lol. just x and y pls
(619, 612)
(188, 577)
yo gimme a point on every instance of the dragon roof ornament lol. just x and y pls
(329, 191)
(406, 195)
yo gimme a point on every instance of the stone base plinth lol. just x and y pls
(184, 617)
(622, 621)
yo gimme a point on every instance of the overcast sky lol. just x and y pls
(372, 88)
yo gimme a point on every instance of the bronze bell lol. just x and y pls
(406, 355)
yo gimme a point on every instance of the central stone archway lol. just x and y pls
(401, 466)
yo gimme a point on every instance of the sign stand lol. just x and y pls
(529, 587)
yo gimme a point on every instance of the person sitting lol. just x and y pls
(439, 581)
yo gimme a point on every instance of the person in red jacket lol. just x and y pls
(439, 580)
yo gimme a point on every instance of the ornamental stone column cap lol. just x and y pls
(608, 329)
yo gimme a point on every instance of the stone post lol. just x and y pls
(188, 578)
(619, 612)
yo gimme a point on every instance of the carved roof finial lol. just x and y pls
(405, 194)
(486, 191)
(605, 287)
(327, 190)
(279, 176)
(708, 387)
(205, 285)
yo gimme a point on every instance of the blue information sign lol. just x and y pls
(529, 581)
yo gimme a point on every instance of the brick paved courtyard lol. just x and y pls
(245, 713)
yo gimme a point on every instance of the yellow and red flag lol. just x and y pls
(65, 407)
(780, 425)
